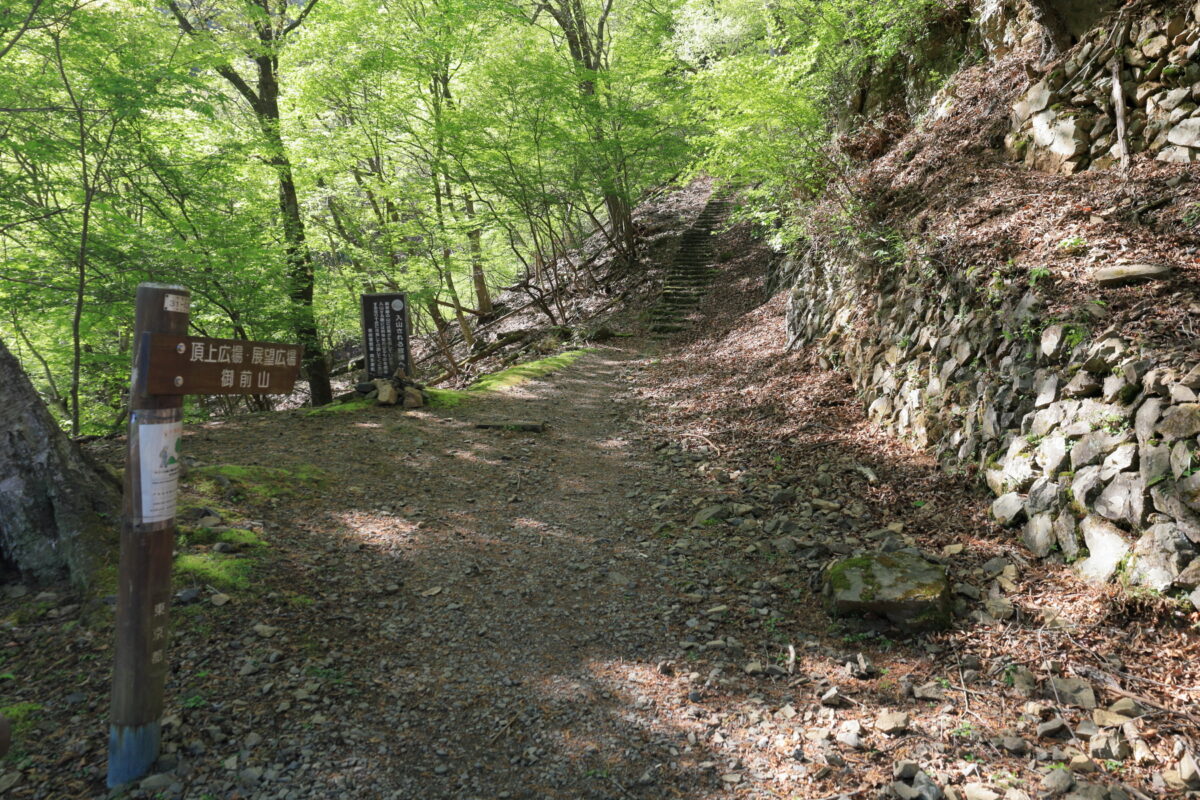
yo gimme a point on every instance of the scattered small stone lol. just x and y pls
(1056, 782)
(1015, 745)
(833, 698)
(892, 723)
(1052, 728)
(188, 596)
(156, 783)
(850, 734)
(1189, 771)
(250, 776)
(1000, 608)
(1110, 746)
(1072, 691)
(861, 667)
(929, 691)
(1081, 763)
(1127, 274)
(977, 791)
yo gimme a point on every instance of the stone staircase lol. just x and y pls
(690, 273)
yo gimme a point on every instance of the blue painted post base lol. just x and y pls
(131, 751)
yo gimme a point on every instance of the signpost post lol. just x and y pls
(167, 364)
(385, 335)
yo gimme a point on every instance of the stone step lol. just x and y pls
(667, 328)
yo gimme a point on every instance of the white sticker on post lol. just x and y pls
(176, 302)
(158, 446)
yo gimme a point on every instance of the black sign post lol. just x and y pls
(385, 335)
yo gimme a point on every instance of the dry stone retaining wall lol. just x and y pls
(1089, 444)
(1067, 121)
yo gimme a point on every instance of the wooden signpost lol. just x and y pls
(385, 335)
(167, 364)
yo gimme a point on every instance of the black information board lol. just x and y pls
(385, 334)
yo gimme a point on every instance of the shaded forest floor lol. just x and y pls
(380, 603)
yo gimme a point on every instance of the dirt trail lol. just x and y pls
(455, 612)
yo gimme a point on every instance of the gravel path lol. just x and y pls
(485, 605)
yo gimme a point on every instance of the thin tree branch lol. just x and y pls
(22, 28)
(296, 23)
(224, 70)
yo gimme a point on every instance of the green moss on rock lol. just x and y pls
(905, 588)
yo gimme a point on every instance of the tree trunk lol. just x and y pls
(301, 273)
(483, 299)
(56, 512)
(272, 33)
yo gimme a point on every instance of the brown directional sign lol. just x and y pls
(200, 365)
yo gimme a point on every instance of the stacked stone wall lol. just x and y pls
(1071, 119)
(1089, 443)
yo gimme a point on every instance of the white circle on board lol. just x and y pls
(397, 305)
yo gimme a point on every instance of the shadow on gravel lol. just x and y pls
(457, 613)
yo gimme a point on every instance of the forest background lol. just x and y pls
(280, 158)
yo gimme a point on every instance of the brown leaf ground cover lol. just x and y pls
(968, 210)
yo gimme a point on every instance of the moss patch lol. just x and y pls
(239, 537)
(21, 715)
(104, 581)
(446, 398)
(222, 571)
(861, 565)
(513, 376)
(347, 407)
(253, 482)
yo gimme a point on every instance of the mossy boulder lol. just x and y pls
(905, 588)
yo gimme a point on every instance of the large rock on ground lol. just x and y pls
(413, 397)
(903, 587)
(1128, 274)
(388, 396)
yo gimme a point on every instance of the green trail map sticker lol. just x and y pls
(158, 445)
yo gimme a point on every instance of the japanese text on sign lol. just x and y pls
(385, 334)
(197, 365)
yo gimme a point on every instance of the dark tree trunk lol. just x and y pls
(264, 102)
(56, 512)
(483, 298)
(301, 273)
